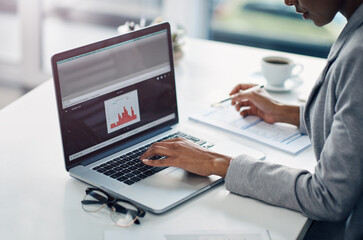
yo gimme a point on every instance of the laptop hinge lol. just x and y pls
(124, 146)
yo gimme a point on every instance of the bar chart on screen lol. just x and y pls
(122, 111)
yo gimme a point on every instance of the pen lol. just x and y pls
(252, 89)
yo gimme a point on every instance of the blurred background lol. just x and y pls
(31, 31)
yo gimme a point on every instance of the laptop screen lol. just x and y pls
(114, 91)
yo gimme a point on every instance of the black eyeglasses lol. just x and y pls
(123, 213)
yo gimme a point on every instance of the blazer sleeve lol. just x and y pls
(266, 181)
(302, 127)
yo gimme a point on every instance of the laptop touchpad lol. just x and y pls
(187, 177)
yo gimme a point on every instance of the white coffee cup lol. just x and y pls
(277, 70)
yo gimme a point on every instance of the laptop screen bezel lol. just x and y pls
(93, 47)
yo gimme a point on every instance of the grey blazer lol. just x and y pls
(333, 119)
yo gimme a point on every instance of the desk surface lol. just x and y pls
(40, 201)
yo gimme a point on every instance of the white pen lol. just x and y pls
(252, 89)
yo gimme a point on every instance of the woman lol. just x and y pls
(332, 117)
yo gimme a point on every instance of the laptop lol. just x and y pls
(115, 98)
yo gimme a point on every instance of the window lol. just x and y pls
(9, 32)
(19, 60)
(271, 24)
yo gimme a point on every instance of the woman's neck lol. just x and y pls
(349, 7)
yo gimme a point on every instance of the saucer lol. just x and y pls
(289, 84)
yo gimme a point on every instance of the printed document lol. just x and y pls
(285, 137)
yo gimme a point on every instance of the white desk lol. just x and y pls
(40, 201)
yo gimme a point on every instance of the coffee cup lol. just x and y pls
(276, 70)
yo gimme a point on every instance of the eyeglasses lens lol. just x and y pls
(123, 214)
(94, 201)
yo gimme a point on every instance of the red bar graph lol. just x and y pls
(125, 118)
(122, 111)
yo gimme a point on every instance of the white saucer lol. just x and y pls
(289, 84)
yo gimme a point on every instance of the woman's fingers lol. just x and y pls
(166, 162)
(242, 87)
(247, 112)
(244, 103)
(156, 149)
(169, 148)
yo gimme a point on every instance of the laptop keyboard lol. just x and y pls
(129, 169)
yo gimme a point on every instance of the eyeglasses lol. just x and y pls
(123, 213)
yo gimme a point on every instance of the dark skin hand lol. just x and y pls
(184, 154)
(260, 104)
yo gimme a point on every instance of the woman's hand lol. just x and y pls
(258, 103)
(184, 154)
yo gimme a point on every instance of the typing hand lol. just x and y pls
(184, 154)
